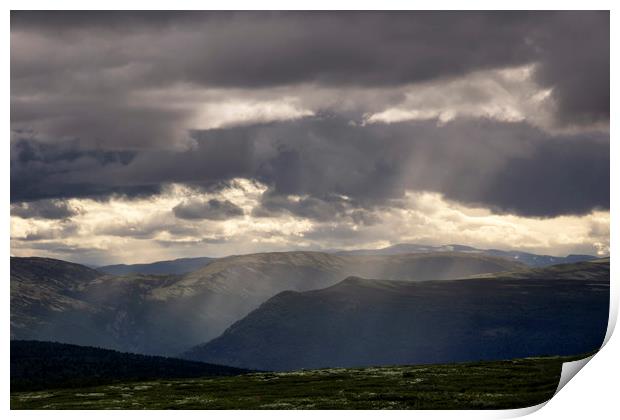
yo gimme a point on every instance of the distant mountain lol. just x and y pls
(409, 249)
(166, 314)
(43, 365)
(265, 273)
(532, 260)
(560, 310)
(178, 266)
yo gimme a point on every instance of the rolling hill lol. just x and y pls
(43, 288)
(143, 313)
(178, 266)
(44, 365)
(560, 310)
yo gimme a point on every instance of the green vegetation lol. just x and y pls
(483, 385)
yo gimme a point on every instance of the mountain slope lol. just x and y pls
(178, 266)
(44, 365)
(532, 260)
(167, 314)
(232, 287)
(58, 274)
(359, 322)
(42, 288)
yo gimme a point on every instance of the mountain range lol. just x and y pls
(187, 265)
(560, 310)
(167, 314)
(532, 260)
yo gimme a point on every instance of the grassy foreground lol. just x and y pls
(484, 385)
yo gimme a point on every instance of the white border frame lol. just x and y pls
(593, 393)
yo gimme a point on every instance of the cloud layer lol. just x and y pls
(147, 229)
(337, 116)
(508, 167)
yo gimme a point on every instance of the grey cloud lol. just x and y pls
(61, 232)
(67, 252)
(44, 209)
(147, 229)
(82, 126)
(510, 167)
(341, 234)
(575, 63)
(137, 231)
(249, 49)
(63, 169)
(212, 210)
(193, 242)
(324, 208)
(100, 118)
(75, 74)
(599, 229)
(273, 204)
(365, 218)
(558, 174)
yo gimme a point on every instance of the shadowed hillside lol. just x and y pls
(560, 310)
(45, 365)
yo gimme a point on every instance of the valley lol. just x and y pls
(440, 330)
(142, 313)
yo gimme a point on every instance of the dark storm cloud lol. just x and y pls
(328, 207)
(83, 125)
(42, 169)
(565, 175)
(44, 209)
(64, 170)
(510, 167)
(273, 204)
(75, 74)
(575, 63)
(212, 210)
(99, 119)
(267, 49)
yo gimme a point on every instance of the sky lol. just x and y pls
(142, 136)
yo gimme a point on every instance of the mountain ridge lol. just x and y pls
(188, 265)
(176, 266)
(531, 259)
(364, 322)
